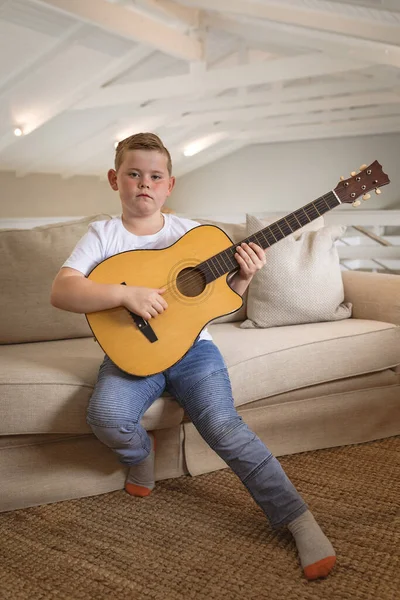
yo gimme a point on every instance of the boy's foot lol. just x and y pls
(317, 555)
(140, 480)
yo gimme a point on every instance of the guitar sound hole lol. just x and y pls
(191, 282)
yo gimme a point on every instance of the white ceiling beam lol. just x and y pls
(300, 17)
(176, 12)
(349, 129)
(217, 80)
(292, 36)
(253, 99)
(134, 26)
(388, 5)
(297, 120)
(292, 108)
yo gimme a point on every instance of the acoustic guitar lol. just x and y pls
(194, 271)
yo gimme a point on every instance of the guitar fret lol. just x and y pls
(285, 227)
(213, 267)
(269, 236)
(271, 231)
(279, 227)
(294, 215)
(223, 258)
(260, 242)
(218, 263)
(311, 211)
(231, 260)
(218, 266)
(302, 217)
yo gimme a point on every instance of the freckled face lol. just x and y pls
(143, 182)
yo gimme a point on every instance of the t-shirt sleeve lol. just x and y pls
(88, 252)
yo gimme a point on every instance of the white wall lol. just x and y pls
(265, 178)
(283, 177)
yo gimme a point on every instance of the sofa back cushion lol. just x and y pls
(301, 281)
(30, 259)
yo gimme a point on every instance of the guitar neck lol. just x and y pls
(225, 261)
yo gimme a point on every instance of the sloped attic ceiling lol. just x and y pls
(78, 75)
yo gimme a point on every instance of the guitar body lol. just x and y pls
(191, 302)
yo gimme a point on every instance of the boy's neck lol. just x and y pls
(144, 225)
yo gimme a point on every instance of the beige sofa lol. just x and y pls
(300, 387)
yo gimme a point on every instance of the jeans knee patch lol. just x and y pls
(120, 437)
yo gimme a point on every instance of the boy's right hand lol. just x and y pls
(145, 302)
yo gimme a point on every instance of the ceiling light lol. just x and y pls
(18, 131)
(203, 143)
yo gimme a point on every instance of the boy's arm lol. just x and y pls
(72, 291)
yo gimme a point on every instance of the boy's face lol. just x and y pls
(143, 182)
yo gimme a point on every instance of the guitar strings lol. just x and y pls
(191, 278)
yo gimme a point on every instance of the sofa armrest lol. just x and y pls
(375, 296)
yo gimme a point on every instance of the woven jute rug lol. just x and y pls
(204, 537)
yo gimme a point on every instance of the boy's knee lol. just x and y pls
(120, 437)
(215, 426)
(130, 443)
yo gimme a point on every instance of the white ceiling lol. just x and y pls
(78, 75)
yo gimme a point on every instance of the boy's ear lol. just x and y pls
(112, 179)
(171, 184)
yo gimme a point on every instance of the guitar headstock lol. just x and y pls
(359, 184)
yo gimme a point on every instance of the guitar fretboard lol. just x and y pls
(225, 261)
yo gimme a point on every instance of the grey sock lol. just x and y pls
(142, 474)
(316, 553)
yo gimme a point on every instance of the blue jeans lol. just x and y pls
(200, 383)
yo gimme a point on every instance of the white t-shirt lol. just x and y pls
(106, 238)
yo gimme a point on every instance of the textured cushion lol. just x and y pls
(301, 282)
(31, 259)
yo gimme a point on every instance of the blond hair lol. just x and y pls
(141, 141)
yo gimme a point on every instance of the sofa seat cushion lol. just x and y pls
(46, 386)
(266, 362)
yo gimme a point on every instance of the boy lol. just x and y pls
(199, 381)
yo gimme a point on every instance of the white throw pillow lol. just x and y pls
(301, 282)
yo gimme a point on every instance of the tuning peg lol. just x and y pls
(356, 203)
(342, 178)
(353, 173)
(378, 191)
(366, 196)
(363, 167)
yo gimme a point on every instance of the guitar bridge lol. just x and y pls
(143, 325)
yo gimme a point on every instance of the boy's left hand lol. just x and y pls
(251, 258)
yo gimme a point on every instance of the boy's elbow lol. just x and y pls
(55, 299)
(58, 294)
